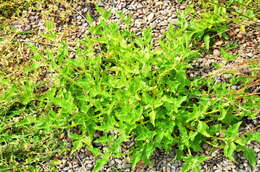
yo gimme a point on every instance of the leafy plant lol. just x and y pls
(119, 88)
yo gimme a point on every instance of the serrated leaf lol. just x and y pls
(115, 147)
(250, 155)
(242, 141)
(229, 150)
(136, 157)
(198, 111)
(203, 128)
(100, 164)
(79, 141)
(255, 136)
(192, 162)
(232, 131)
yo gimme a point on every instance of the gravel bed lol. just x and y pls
(156, 14)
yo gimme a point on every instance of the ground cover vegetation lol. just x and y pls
(118, 87)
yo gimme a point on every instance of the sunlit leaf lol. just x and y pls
(229, 150)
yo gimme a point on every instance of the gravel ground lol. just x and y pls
(71, 21)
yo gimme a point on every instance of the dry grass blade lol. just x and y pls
(239, 67)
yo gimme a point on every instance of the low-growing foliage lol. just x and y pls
(117, 88)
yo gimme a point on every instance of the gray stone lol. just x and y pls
(216, 52)
(139, 6)
(150, 17)
(164, 23)
(85, 25)
(174, 21)
(79, 17)
(27, 28)
(85, 10)
(125, 165)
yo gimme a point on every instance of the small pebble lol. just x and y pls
(150, 17)
(216, 52)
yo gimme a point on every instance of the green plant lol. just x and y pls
(118, 88)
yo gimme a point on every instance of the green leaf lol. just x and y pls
(192, 162)
(49, 25)
(152, 116)
(76, 145)
(255, 136)
(103, 139)
(207, 41)
(147, 36)
(232, 132)
(135, 158)
(148, 150)
(55, 162)
(115, 147)
(192, 135)
(215, 129)
(228, 56)
(229, 150)
(89, 19)
(100, 164)
(32, 67)
(223, 113)
(79, 141)
(104, 13)
(95, 151)
(196, 147)
(183, 136)
(198, 111)
(250, 155)
(243, 140)
(225, 36)
(178, 102)
(203, 128)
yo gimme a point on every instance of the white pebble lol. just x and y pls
(150, 17)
